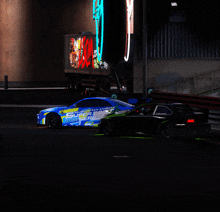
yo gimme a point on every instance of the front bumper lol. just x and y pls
(40, 119)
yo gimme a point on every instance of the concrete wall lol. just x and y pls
(161, 71)
(166, 71)
(13, 33)
(32, 44)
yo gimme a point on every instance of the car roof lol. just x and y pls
(98, 98)
(172, 104)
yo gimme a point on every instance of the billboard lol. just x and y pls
(81, 55)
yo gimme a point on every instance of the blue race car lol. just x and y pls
(86, 112)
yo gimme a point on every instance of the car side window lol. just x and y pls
(146, 110)
(88, 103)
(161, 110)
(184, 110)
(103, 103)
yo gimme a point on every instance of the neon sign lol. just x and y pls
(98, 16)
(128, 29)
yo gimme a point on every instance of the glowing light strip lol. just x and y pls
(128, 34)
(98, 16)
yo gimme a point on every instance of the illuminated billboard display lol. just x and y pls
(83, 54)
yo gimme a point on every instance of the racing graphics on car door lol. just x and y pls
(86, 113)
(69, 117)
(141, 119)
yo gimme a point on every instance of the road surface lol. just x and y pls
(78, 169)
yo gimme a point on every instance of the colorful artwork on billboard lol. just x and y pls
(84, 55)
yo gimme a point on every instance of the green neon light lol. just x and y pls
(98, 16)
(201, 139)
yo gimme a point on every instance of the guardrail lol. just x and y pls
(214, 119)
(203, 102)
(210, 103)
(214, 116)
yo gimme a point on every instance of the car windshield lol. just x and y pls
(121, 103)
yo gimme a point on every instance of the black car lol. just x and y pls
(167, 119)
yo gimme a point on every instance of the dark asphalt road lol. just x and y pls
(77, 169)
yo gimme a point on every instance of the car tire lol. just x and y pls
(53, 121)
(108, 128)
(168, 132)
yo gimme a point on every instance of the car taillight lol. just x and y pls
(190, 121)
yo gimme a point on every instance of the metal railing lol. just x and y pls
(214, 117)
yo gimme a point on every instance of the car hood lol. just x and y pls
(118, 113)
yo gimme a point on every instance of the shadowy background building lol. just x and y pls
(182, 42)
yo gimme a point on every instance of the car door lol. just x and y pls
(97, 113)
(87, 109)
(160, 116)
(141, 119)
(134, 120)
(91, 111)
(80, 113)
(87, 112)
(131, 121)
(69, 116)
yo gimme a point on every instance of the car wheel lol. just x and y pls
(168, 132)
(108, 128)
(53, 121)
